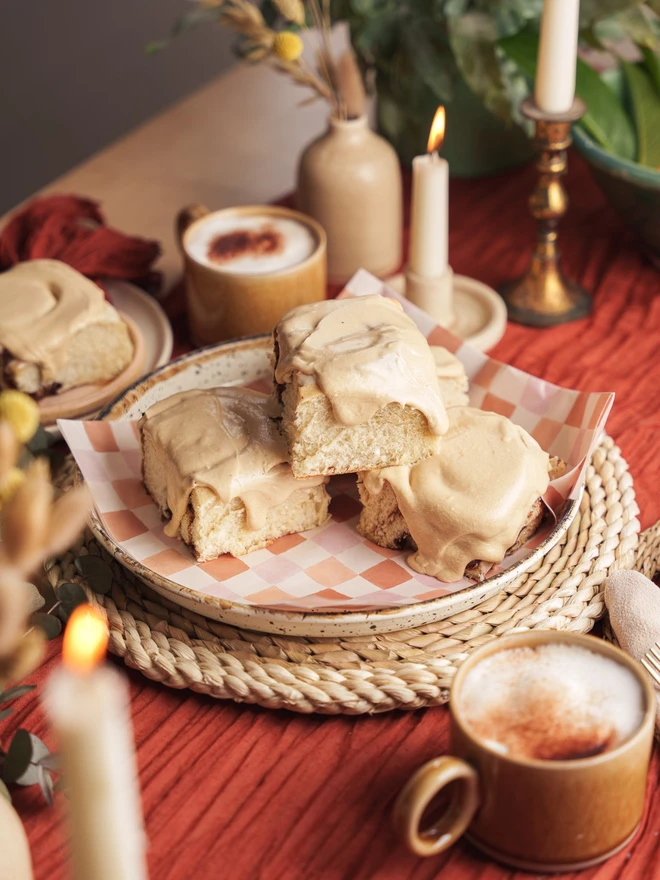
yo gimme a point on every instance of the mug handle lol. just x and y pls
(418, 793)
(186, 217)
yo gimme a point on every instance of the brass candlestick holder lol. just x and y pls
(543, 297)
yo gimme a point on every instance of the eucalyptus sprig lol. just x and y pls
(26, 760)
(93, 573)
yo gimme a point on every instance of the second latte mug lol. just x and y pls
(571, 808)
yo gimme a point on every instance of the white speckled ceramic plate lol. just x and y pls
(156, 341)
(77, 402)
(240, 363)
(149, 317)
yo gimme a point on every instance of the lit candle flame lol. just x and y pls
(437, 134)
(85, 639)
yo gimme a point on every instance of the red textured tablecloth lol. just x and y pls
(238, 792)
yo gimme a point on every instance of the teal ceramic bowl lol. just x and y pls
(633, 190)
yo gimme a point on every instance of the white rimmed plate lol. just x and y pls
(149, 317)
(156, 343)
(244, 362)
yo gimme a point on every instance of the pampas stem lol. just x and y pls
(351, 85)
(327, 67)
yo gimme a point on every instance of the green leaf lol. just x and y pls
(636, 24)
(195, 18)
(96, 572)
(646, 108)
(428, 59)
(391, 118)
(155, 47)
(16, 692)
(454, 8)
(41, 441)
(51, 761)
(35, 600)
(17, 759)
(592, 11)
(40, 751)
(605, 120)
(514, 15)
(69, 595)
(473, 39)
(4, 791)
(61, 785)
(368, 8)
(379, 35)
(50, 624)
(652, 64)
(45, 783)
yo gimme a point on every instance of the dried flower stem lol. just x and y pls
(351, 86)
(33, 528)
(303, 74)
(326, 65)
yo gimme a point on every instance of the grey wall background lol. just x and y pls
(74, 77)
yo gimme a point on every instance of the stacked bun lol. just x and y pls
(357, 390)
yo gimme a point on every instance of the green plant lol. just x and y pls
(418, 50)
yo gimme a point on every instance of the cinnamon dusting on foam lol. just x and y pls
(471, 498)
(553, 702)
(250, 243)
(229, 246)
(43, 304)
(226, 440)
(363, 353)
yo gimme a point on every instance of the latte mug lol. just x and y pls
(246, 267)
(538, 815)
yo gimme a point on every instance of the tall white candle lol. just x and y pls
(554, 89)
(429, 208)
(88, 705)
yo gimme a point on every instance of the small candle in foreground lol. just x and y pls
(88, 704)
(554, 88)
(429, 207)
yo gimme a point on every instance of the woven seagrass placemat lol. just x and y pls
(401, 670)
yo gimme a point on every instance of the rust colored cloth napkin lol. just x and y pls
(72, 229)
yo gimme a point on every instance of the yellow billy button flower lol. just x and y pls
(287, 46)
(21, 412)
(10, 484)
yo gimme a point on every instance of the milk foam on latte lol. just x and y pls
(552, 702)
(250, 244)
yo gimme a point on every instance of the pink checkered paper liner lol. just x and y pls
(332, 568)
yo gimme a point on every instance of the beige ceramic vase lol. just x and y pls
(349, 180)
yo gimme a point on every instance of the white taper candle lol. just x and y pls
(429, 209)
(89, 708)
(554, 89)
(429, 216)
